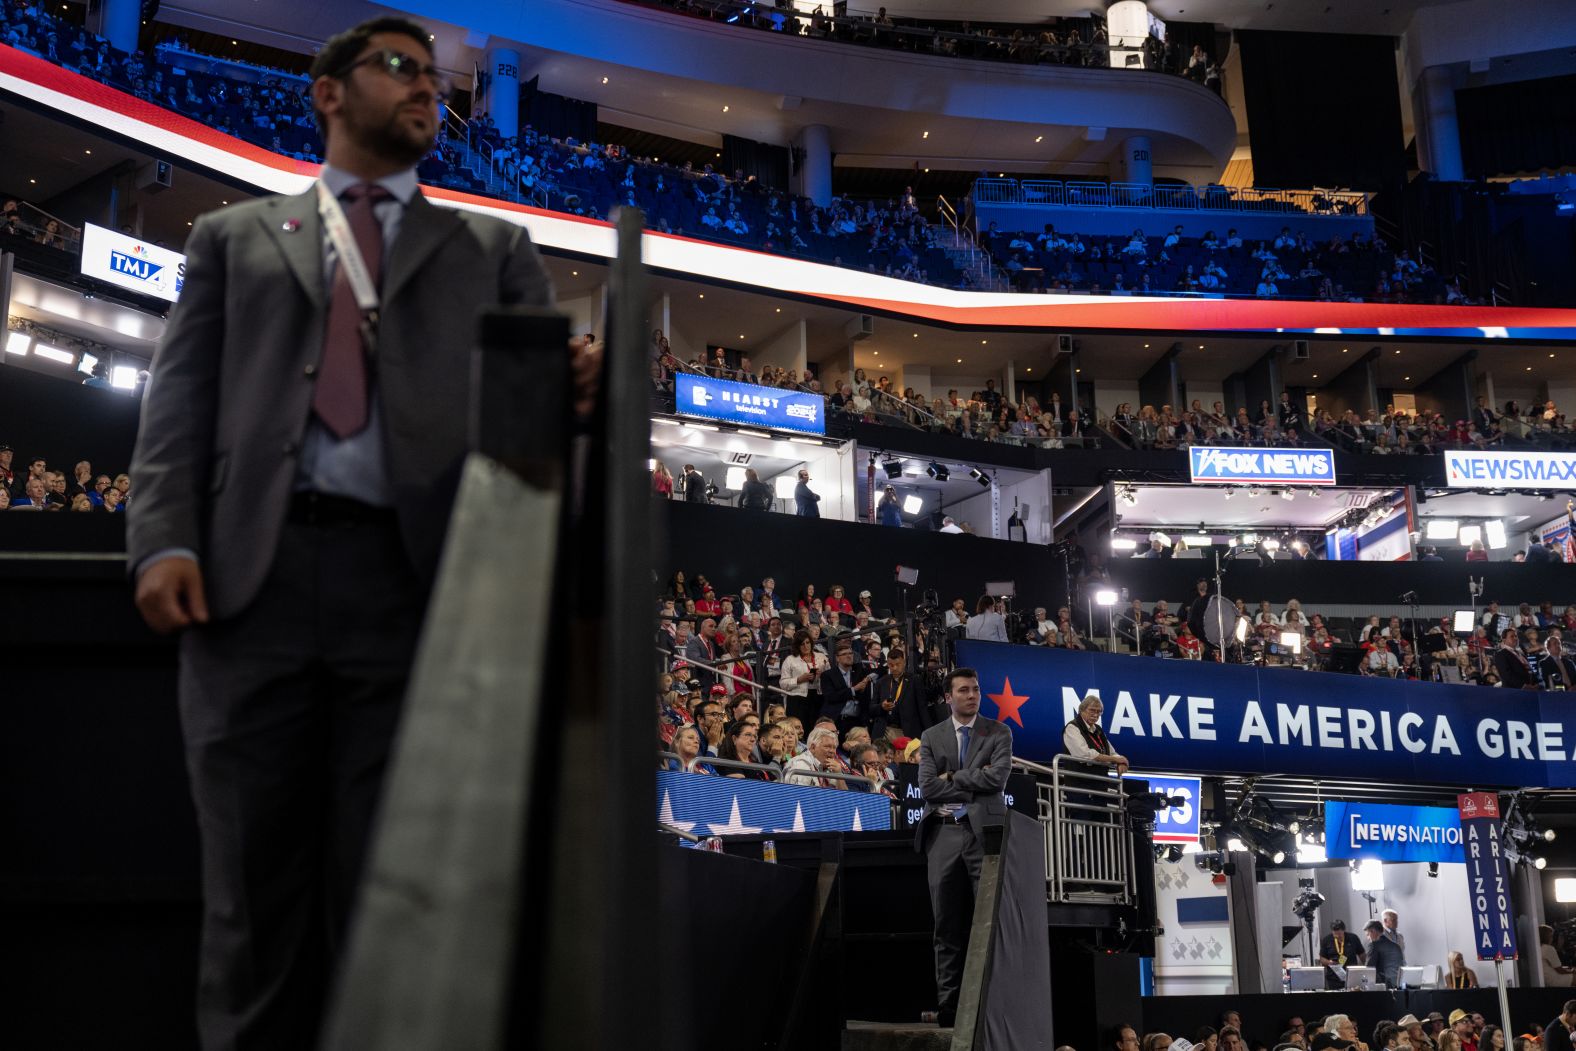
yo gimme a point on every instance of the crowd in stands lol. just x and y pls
(1460, 1030)
(33, 486)
(23, 221)
(1062, 42)
(1290, 266)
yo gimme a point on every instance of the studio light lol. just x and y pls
(49, 353)
(1272, 544)
(124, 377)
(786, 484)
(1287, 494)
(1368, 874)
(17, 342)
(87, 363)
(1292, 640)
(1494, 533)
(1228, 494)
(1565, 890)
(1470, 535)
(1442, 529)
(1465, 621)
(1105, 597)
(893, 468)
(937, 471)
(1122, 543)
(1241, 631)
(734, 479)
(980, 477)
(912, 504)
(1540, 863)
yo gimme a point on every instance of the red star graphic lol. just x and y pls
(1008, 703)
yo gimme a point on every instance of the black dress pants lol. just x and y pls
(289, 711)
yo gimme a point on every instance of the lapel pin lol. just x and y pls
(290, 226)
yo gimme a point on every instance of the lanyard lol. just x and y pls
(350, 260)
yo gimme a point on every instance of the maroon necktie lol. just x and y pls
(341, 397)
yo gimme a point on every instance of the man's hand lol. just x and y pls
(585, 372)
(170, 595)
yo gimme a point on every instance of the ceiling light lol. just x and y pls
(1287, 494)
(1398, 352)
(89, 152)
(916, 335)
(924, 135)
(49, 353)
(983, 342)
(913, 505)
(1315, 375)
(1028, 370)
(574, 273)
(1345, 350)
(960, 361)
(1407, 378)
(604, 80)
(725, 109)
(779, 310)
(703, 295)
(1037, 138)
(1146, 346)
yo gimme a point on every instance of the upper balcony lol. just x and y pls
(663, 69)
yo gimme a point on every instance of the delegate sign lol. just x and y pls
(1225, 465)
(1479, 469)
(131, 264)
(1207, 718)
(747, 403)
(1488, 876)
(1390, 832)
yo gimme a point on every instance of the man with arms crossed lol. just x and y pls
(295, 467)
(963, 765)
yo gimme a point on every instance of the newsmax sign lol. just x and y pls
(1480, 469)
(134, 265)
(749, 404)
(1225, 465)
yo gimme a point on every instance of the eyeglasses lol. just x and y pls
(405, 69)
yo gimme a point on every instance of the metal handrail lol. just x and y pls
(716, 670)
(1211, 197)
(688, 837)
(775, 775)
(907, 406)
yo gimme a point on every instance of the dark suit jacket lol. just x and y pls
(912, 710)
(231, 395)
(695, 487)
(805, 502)
(977, 783)
(1387, 959)
(1513, 674)
(1549, 671)
(835, 693)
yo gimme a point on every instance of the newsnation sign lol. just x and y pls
(1392, 832)
(1198, 717)
(750, 404)
(132, 264)
(1480, 469)
(1224, 465)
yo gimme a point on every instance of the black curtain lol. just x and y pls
(1324, 109)
(557, 116)
(1522, 127)
(768, 163)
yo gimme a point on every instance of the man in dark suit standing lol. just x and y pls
(1556, 668)
(1339, 949)
(297, 459)
(694, 485)
(1515, 671)
(963, 765)
(806, 504)
(899, 698)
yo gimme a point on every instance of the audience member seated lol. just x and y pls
(34, 487)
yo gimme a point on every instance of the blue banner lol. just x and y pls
(1174, 824)
(1228, 465)
(1208, 718)
(1392, 833)
(1488, 876)
(720, 806)
(746, 403)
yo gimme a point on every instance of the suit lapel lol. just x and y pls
(423, 227)
(294, 226)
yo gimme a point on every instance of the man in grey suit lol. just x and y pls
(295, 466)
(963, 767)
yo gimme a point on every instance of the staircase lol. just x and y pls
(967, 257)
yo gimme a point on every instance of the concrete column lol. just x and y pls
(815, 168)
(1137, 164)
(1434, 116)
(120, 22)
(502, 102)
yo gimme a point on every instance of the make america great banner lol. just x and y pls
(1207, 718)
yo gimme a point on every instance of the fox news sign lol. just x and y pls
(747, 403)
(134, 265)
(1224, 465)
(1479, 469)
